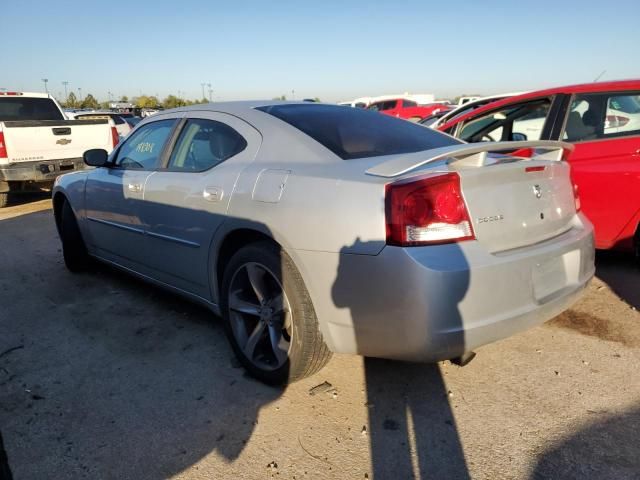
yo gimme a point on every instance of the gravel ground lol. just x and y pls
(102, 376)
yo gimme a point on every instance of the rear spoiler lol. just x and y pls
(470, 154)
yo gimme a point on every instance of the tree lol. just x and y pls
(172, 102)
(71, 102)
(203, 100)
(105, 105)
(124, 99)
(89, 102)
(281, 97)
(145, 101)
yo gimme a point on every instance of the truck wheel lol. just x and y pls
(5, 188)
(74, 250)
(268, 316)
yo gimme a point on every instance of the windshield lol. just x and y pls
(357, 133)
(20, 108)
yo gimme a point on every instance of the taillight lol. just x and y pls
(3, 147)
(615, 121)
(114, 136)
(576, 197)
(427, 210)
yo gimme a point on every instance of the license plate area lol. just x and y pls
(64, 168)
(550, 277)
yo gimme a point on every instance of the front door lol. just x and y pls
(114, 195)
(605, 165)
(186, 201)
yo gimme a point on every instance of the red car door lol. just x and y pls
(605, 129)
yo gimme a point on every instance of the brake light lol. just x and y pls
(114, 136)
(427, 210)
(3, 147)
(615, 121)
(11, 94)
(576, 197)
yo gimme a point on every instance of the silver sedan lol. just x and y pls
(314, 228)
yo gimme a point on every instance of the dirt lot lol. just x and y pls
(102, 376)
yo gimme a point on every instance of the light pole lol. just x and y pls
(202, 85)
(210, 92)
(45, 80)
(80, 94)
(65, 83)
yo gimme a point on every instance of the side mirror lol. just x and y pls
(518, 137)
(96, 157)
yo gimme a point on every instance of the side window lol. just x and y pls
(376, 107)
(142, 150)
(389, 105)
(408, 103)
(117, 119)
(523, 121)
(203, 144)
(602, 115)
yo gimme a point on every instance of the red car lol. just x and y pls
(407, 109)
(602, 120)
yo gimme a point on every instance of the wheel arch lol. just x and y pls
(58, 201)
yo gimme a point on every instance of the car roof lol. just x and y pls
(594, 87)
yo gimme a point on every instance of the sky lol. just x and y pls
(334, 50)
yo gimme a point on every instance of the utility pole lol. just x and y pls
(210, 92)
(65, 83)
(45, 80)
(202, 85)
(79, 94)
(293, 94)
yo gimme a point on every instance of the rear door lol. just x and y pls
(187, 200)
(605, 129)
(114, 195)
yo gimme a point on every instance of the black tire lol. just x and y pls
(74, 250)
(307, 351)
(5, 194)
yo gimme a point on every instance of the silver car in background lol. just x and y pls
(316, 228)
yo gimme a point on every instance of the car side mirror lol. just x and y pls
(518, 137)
(96, 157)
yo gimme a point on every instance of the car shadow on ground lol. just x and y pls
(606, 448)
(620, 272)
(412, 429)
(111, 377)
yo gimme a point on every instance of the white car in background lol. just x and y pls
(122, 127)
(469, 106)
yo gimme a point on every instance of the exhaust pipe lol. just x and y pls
(463, 359)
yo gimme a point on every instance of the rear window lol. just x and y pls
(21, 108)
(356, 133)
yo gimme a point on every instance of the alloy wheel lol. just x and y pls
(260, 316)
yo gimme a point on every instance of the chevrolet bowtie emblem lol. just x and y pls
(537, 191)
(63, 141)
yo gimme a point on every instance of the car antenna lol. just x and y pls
(601, 74)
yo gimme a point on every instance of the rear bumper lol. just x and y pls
(438, 302)
(39, 171)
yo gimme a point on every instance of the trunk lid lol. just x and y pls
(519, 203)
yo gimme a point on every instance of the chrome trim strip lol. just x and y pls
(143, 232)
(117, 225)
(173, 239)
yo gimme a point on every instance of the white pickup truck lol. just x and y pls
(38, 143)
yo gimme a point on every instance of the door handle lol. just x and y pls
(212, 194)
(135, 187)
